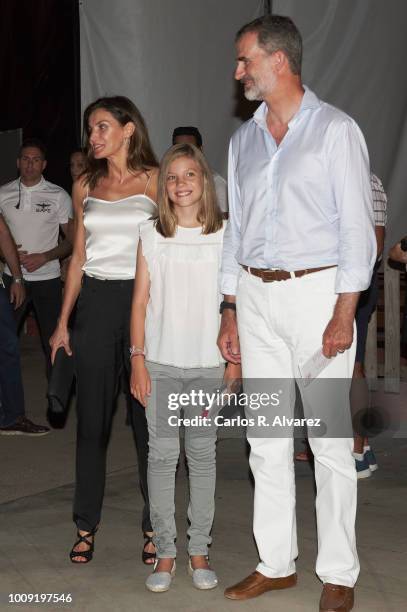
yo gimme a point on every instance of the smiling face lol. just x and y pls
(185, 183)
(256, 68)
(107, 136)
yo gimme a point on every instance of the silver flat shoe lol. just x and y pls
(203, 579)
(159, 582)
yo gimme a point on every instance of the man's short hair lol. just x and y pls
(189, 130)
(277, 32)
(33, 142)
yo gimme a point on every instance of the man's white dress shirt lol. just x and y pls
(306, 203)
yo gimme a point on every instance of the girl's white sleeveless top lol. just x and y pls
(182, 318)
(112, 233)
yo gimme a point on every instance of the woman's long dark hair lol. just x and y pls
(140, 152)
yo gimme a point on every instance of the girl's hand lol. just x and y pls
(59, 338)
(140, 381)
(233, 377)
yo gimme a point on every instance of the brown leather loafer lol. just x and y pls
(256, 584)
(336, 598)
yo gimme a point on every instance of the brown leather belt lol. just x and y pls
(268, 276)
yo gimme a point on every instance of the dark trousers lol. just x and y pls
(11, 384)
(100, 349)
(366, 307)
(45, 296)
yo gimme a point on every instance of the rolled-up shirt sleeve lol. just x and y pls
(231, 240)
(350, 179)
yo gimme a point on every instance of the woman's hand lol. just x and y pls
(59, 338)
(140, 381)
(233, 377)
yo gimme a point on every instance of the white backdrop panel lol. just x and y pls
(173, 58)
(354, 58)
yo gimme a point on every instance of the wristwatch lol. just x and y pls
(19, 280)
(224, 305)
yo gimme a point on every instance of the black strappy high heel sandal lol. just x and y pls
(146, 556)
(87, 554)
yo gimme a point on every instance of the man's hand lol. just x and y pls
(17, 294)
(228, 339)
(338, 335)
(397, 254)
(32, 261)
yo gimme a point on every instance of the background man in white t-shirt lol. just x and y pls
(36, 211)
(191, 135)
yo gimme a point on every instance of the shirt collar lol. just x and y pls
(35, 187)
(309, 101)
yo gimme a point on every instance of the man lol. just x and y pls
(365, 458)
(35, 211)
(12, 414)
(191, 135)
(299, 248)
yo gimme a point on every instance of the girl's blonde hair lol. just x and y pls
(209, 214)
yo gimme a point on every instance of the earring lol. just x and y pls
(127, 141)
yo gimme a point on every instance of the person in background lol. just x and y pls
(365, 458)
(77, 164)
(36, 211)
(12, 410)
(398, 253)
(111, 199)
(191, 135)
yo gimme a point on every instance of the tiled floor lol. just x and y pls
(36, 532)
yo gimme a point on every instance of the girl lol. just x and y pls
(174, 327)
(111, 198)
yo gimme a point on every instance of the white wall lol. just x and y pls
(355, 58)
(175, 59)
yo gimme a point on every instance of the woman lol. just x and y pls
(114, 195)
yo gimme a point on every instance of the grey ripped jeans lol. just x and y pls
(164, 449)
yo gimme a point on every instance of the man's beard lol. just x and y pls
(259, 90)
(253, 92)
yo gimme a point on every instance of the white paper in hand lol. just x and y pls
(221, 397)
(313, 367)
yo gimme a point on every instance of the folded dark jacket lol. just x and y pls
(60, 382)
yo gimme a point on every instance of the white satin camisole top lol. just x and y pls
(112, 234)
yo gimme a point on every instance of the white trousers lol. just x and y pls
(281, 325)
